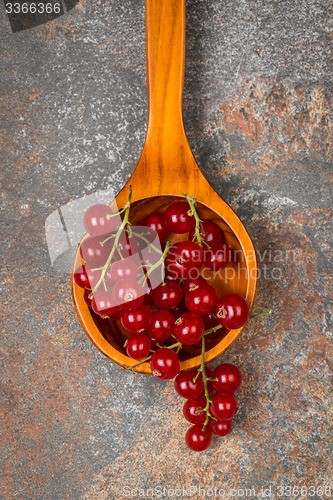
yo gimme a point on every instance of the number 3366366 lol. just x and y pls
(33, 8)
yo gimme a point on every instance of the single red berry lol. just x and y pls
(184, 260)
(232, 311)
(198, 439)
(124, 269)
(228, 376)
(168, 295)
(164, 364)
(161, 326)
(93, 253)
(189, 328)
(103, 303)
(223, 405)
(193, 410)
(190, 283)
(138, 346)
(178, 218)
(128, 294)
(220, 427)
(86, 298)
(201, 299)
(96, 222)
(186, 387)
(211, 233)
(156, 221)
(136, 320)
(86, 278)
(217, 257)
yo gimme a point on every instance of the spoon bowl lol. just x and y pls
(165, 170)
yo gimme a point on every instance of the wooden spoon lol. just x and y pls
(166, 169)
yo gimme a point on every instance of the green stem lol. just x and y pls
(198, 223)
(156, 265)
(116, 240)
(266, 312)
(205, 381)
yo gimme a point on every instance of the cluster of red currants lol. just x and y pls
(208, 412)
(160, 297)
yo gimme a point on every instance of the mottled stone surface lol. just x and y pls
(73, 118)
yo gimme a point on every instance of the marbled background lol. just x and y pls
(73, 116)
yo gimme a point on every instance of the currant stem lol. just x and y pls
(198, 223)
(156, 265)
(116, 240)
(205, 381)
(211, 330)
(266, 312)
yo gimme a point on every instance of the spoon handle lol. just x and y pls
(165, 49)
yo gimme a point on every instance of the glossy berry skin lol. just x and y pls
(168, 295)
(84, 277)
(201, 299)
(124, 269)
(217, 257)
(211, 233)
(184, 260)
(229, 378)
(95, 220)
(165, 364)
(232, 311)
(177, 218)
(186, 387)
(155, 221)
(198, 439)
(189, 284)
(136, 320)
(128, 294)
(103, 303)
(189, 328)
(93, 253)
(86, 298)
(192, 410)
(161, 326)
(210, 321)
(220, 427)
(138, 346)
(179, 309)
(223, 405)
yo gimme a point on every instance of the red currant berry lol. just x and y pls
(86, 278)
(96, 222)
(86, 297)
(93, 253)
(124, 269)
(128, 294)
(178, 218)
(184, 260)
(217, 256)
(161, 326)
(232, 311)
(168, 295)
(186, 387)
(103, 303)
(138, 346)
(228, 376)
(198, 439)
(136, 320)
(201, 299)
(193, 410)
(189, 328)
(211, 233)
(190, 283)
(156, 221)
(164, 364)
(223, 405)
(220, 427)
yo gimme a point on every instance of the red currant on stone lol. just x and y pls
(228, 377)
(136, 320)
(138, 346)
(220, 427)
(189, 328)
(198, 439)
(164, 364)
(223, 405)
(186, 387)
(193, 410)
(232, 311)
(178, 218)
